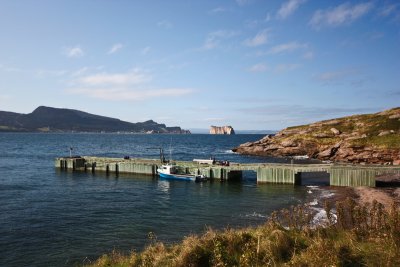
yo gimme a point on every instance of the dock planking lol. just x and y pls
(339, 174)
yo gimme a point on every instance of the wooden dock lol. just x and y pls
(339, 174)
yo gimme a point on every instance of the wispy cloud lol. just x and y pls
(351, 76)
(308, 55)
(80, 72)
(288, 8)
(260, 67)
(127, 78)
(388, 9)
(45, 72)
(340, 15)
(214, 39)
(165, 24)
(11, 69)
(243, 2)
(299, 114)
(217, 10)
(280, 68)
(39, 72)
(286, 47)
(145, 50)
(132, 85)
(129, 94)
(116, 47)
(74, 52)
(261, 38)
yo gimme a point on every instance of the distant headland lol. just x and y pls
(48, 119)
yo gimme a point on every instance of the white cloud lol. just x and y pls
(80, 72)
(287, 47)
(351, 76)
(388, 10)
(214, 38)
(128, 78)
(217, 10)
(243, 2)
(11, 69)
(165, 24)
(261, 38)
(146, 50)
(308, 55)
(340, 15)
(126, 86)
(286, 67)
(268, 17)
(288, 8)
(260, 67)
(45, 73)
(74, 52)
(115, 48)
(129, 94)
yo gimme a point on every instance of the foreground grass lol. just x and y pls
(359, 236)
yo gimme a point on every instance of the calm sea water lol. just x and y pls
(52, 218)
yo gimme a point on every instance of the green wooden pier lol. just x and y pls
(339, 174)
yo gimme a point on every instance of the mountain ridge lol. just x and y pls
(49, 119)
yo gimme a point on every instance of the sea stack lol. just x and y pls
(222, 130)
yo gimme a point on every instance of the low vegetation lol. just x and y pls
(355, 235)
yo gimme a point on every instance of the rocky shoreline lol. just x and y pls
(362, 139)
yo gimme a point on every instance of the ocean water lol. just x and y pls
(53, 218)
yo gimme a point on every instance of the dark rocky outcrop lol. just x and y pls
(48, 119)
(368, 138)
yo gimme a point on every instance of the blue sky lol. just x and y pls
(252, 64)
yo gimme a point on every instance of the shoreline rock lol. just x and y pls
(361, 139)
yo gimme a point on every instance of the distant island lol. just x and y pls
(48, 119)
(366, 139)
(222, 130)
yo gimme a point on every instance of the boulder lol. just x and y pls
(335, 131)
(383, 133)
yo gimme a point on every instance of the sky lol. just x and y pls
(251, 64)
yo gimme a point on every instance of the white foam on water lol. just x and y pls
(321, 218)
(313, 186)
(327, 194)
(309, 191)
(314, 202)
(256, 215)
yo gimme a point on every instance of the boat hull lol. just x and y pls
(178, 177)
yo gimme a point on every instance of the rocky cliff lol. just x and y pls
(368, 138)
(221, 130)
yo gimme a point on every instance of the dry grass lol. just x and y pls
(362, 235)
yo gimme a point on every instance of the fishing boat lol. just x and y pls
(170, 171)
